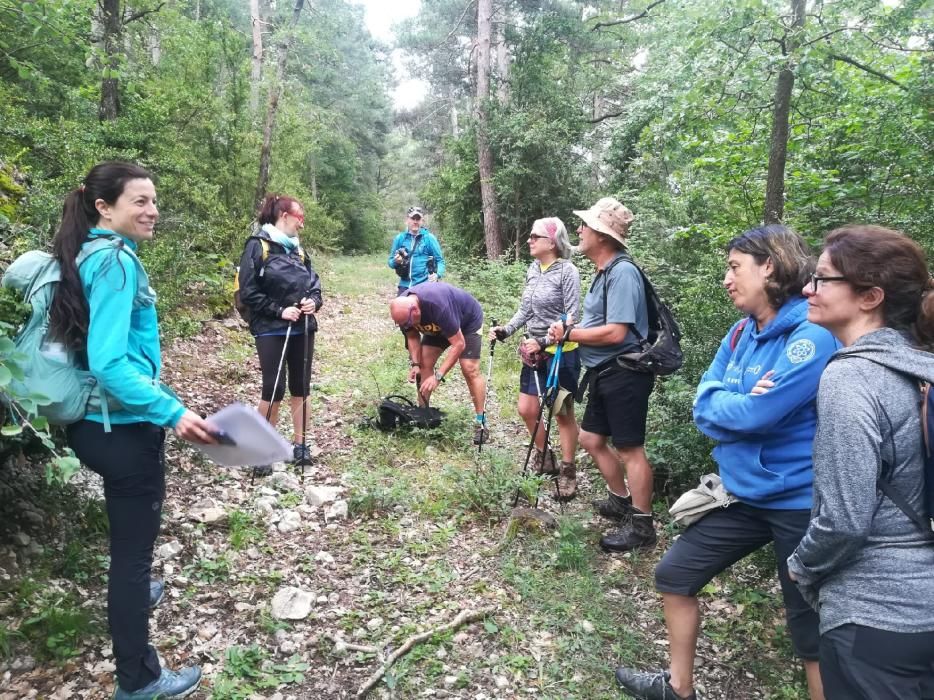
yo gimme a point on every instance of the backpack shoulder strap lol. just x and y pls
(737, 333)
(606, 280)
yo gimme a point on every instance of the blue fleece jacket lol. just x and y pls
(419, 247)
(764, 441)
(123, 338)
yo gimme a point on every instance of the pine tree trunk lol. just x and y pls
(774, 209)
(111, 21)
(265, 154)
(256, 66)
(484, 152)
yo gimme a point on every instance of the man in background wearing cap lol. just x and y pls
(613, 427)
(415, 254)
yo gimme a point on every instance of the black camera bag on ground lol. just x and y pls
(399, 412)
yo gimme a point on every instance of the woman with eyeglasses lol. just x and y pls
(757, 401)
(282, 292)
(552, 288)
(867, 558)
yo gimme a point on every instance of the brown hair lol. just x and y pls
(69, 314)
(792, 263)
(274, 206)
(873, 256)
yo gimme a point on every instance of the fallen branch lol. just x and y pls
(463, 618)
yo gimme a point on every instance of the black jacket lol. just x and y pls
(269, 286)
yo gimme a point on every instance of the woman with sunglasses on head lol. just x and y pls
(552, 288)
(866, 560)
(282, 292)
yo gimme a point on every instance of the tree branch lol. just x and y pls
(456, 27)
(863, 67)
(139, 14)
(606, 116)
(627, 20)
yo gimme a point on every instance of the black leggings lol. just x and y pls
(131, 459)
(269, 349)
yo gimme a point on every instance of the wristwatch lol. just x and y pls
(413, 363)
(439, 376)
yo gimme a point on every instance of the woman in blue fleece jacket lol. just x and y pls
(757, 400)
(105, 311)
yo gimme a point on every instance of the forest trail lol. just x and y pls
(426, 537)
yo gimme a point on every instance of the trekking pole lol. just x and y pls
(486, 389)
(552, 390)
(306, 385)
(538, 423)
(275, 385)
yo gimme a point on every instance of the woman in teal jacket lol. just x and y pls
(105, 311)
(757, 400)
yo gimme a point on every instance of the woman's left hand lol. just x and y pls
(194, 428)
(763, 385)
(307, 306)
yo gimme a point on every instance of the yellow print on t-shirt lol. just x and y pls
(428, 328)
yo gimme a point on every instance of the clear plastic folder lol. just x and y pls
(247, 439)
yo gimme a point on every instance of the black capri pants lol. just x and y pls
(722, 538)
(131, 459)
(269, 348)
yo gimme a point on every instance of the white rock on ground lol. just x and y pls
(319, 495)
(170, 550)
(291, 603)
(207, 515)
(289, 522)
(324, 558)
(337, 511)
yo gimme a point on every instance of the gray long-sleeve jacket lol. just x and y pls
(546, 296)
(862, 560)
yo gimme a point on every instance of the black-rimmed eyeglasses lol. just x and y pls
(816, 280)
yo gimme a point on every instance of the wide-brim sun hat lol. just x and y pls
(609, 217)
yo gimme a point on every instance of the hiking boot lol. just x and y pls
(566, 486)
(545, 462)
(301, 455)
(648, 686)
(481, 435)
(639, 533)
(615, 507)
(156, 592)
(170, 684)
(262, 470)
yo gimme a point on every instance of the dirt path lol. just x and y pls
(424, 537)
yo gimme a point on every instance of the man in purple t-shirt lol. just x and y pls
(435, 316)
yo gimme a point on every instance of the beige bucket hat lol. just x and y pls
(609, 217)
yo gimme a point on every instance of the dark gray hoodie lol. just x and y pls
(862, 560)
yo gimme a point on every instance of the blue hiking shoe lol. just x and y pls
(156, 592)
(170, 684)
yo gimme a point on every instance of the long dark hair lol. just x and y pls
(70, 316)
(274, 206)
(873, 256)
(792, 263)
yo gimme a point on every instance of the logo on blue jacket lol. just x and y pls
(800, 351)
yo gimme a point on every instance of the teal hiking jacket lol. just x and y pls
(124, 353)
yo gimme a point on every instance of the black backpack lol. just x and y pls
(660, 353)
(399, 412)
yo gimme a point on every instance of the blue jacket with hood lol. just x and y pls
(420, 247)
(764, 441)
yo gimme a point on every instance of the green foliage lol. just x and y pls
(56, 623)
(248, 670)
